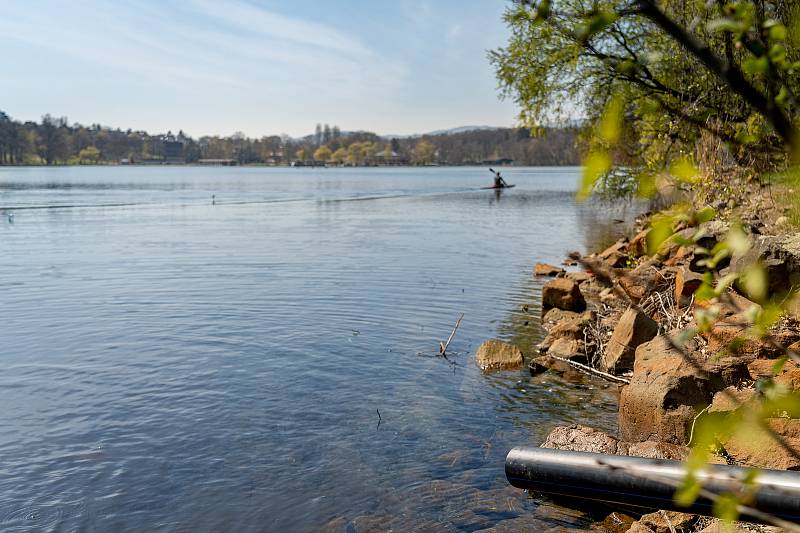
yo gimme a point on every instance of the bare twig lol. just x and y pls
(443, 345)
(590, 370)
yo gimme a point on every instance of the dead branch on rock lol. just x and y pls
(589, 370)
(444, 345)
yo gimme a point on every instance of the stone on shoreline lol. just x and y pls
(666, 391)
(580, 438)
(579, 276)
(686, 282)
(498, 355)
(543, 269)
(633, 329)
(562, 293)
(555, 316)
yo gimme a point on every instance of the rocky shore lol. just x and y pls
(619, 316)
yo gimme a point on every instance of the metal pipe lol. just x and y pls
(648, 483)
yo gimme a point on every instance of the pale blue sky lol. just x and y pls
(257, 66)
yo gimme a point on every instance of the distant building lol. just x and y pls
(392, 160)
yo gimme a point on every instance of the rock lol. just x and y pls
(668, 521)
(494, 355)
(679, 256)
(633, 329)
(582, 439)
(566, 348)
(762, 368)
(570, 328)
(638, 245)
(763, 451)
(730, 336)
(790, 379)
(579, 277)
(562, 293)
(666, 391)
(554, 317)
(639, 282)
(658, 450)
(543, 269)
(537, 366)
(730, 399)
(638, 527)
(617, 247)
(686, 282)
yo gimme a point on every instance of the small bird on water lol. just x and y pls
(11, 217)
(213, 199)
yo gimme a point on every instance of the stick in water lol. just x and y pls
(443, 345)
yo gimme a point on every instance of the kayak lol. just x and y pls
(505, 187)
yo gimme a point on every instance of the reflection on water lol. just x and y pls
(182, 366)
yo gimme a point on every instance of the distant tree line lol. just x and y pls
(54, 141)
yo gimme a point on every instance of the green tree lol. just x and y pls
(678, 68)
(90, 155)
(340, 155)
(424, 152)
(302, 153)
(323, 153)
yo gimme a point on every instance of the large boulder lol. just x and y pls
(543, 269)
(667, 390)
(633, 329)
(496, 355)
(562, 293)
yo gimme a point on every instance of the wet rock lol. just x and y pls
(562, 293)
(667, 391)
(495, 355)
(638, 527)
(669, 521)
(633, 329)
(543, 269)
(686, 282)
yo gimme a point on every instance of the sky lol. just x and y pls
(216, 67)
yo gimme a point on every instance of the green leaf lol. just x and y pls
(776, 30)
(726, 507)
(779, 364)
(755, 282)
(756, 65)
(660, 231)
(705, 215)
(685, 171)
(596, 164)
(610, 127)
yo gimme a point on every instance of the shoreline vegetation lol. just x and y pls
(632, 314)
(695, 107)
(54, 141)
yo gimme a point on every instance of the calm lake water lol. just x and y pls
(173, 365)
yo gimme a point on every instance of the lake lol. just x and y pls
(268, 361)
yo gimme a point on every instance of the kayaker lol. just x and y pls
(499, 182)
